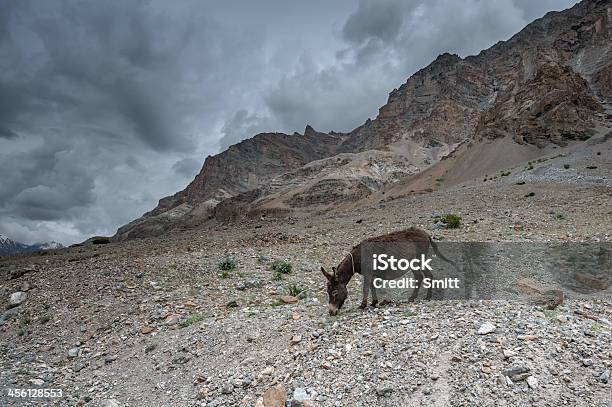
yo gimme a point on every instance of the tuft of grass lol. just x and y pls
(451, 221)
(225, 274)
(282, 266)
(227, 264)
(44, 318)
(277, 276)
(295, 290)
(192, 319)
(530, 195)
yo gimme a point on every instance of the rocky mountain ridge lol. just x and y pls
(547, 87)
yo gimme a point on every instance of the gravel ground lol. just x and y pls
(155, 322)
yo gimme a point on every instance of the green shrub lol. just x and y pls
(192, 319)
(227, 264)
(277, 276)
(282, 266)
(295, 290)
(450, 220)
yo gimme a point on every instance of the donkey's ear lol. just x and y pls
(334, 271)
(326, 274)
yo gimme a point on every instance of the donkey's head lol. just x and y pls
(336, 291)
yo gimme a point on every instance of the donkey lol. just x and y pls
(409, 243)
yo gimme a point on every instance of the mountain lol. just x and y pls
(547, 87)
(9, 246)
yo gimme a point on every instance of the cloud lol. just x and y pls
(105, 107)
(244, 125)
(187, 167)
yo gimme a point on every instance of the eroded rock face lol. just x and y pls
(550, 84)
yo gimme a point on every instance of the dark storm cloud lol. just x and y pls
(105, 107)
(242, 123)
(381, 20)
(187, 167)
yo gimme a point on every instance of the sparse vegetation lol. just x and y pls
(44, 318)
(225, 274)
(282, 266)
(591, 167)
(505, 174)
(227, 264)
(192, 319)
(566, 166)
(451, 221)
(520, 183)
(295, 290)
(530, 195)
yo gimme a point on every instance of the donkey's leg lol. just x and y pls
(430, 277)
(374, 296)
(366, 290)
(418, 277)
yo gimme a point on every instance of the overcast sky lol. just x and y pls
(107, 106)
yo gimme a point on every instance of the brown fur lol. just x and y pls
(412, 242)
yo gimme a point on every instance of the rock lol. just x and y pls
(232, 304)
(147, 330)
(172, 319)
(593, 282)
(508, 353)
(528, 286)
(275, 397)
(300, 398)
(7, 315)
(486, 328)
(532, 382)
(109, 403)
(295, 339)
(288, 299)
(384, 391)
(228, 388)
(37, 382)
(562, 318)
(74, 352)
(17, 298)
(516, 373)
(268, 370)
(587, 362)
(604, 377)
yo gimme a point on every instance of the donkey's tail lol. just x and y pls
(440, 255)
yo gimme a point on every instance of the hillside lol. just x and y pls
(548, 87)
